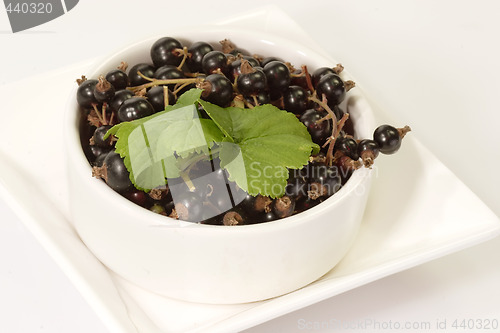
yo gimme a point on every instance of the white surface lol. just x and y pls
(399, 52)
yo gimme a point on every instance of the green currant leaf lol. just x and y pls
(151, 146)
(261, 145)
(190, 97)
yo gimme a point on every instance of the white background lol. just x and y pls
(431, 64)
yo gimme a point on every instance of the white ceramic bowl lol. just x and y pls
(215, 264)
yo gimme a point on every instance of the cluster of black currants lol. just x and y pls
(228, 76)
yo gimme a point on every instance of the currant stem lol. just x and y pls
(145, 77)
(335, 133)
(184, 57)
(349, 85)
(80, 81)
(402, 131)
(255, 100)
(324, 105)
(338, 69)
(156, 82)
(165, 96)
(180, 87)
(308, 78)
(98, 113)
(123, 66)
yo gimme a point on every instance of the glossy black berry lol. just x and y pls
(307, 203)
(135, 108)
(98, 137)
(118, 78)
(267, 217)
(136, 196)
(296, 187)
(145, 69)
(267, 60)
(196, 52)
(104, 91)
(319, 130)
(295, 99)
(252, 82)
(168, 72)
(165, 51)
(116, 174)
(217, 89)
(319, 73)
(388, 139)
(332, 86)
(348, 146)
(278, 76)
(260, 98)
(214, 62)
(119, 98)
(283, 207)
(85, 93)
(99, 153)
(324, 181)
(189, 206)
(156, 96)
(235, 66)
(368, 151)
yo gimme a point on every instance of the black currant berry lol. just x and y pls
(85, 93)
(116, 174)
(166, 51)
(156, 96)
(136, 196)
(196, 52)
(235, 65)
(217, 89)
(319, 130)
(278, 76)
(348, 146)
(189, 206)
(267, 60)
(283, 207)
(145, 69)
(368, 151)
(319, 73)
(99, 154)
(103, 90)
(168, 72)
(267, 217)
(296, 187)
(260, 98)
(323, 181)
(261, 204)
(98, 137)
(387, 138)
(295, 99)
(307, 203)
(118, 78)
(251, 81)
(135, 108)
(333, 87)
(214, 62)
(119, 98)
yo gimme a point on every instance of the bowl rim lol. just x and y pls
(77, 156)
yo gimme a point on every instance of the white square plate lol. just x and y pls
(417, 211)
